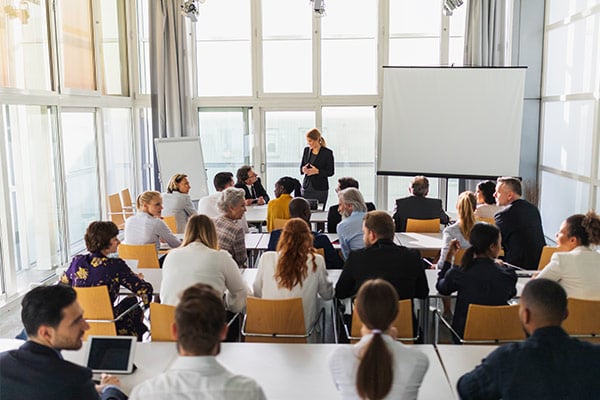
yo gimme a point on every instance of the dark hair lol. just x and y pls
(513, 184)
(381, 223)
(221, 180)
(242, 173)
(377, 307)
(299, 208)
(586, 228)
(199, 318)
(175, 179)
(289, 185)
(43, 305)
(482, 236)
(347, 182)
(487, 189)
(420, 186)
(98, 235)
(546, 298)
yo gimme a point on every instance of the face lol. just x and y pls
(154, 207)
(480, 198)
(367, 236)
(343, 208)
(252, 177)
(278, 190)
(238, 211)
(495, 248)
(503, 195)
(184, 186)
(565, 242)
(113, 245)
(313, 144)
(69, 333)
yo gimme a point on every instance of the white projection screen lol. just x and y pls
(451, 122)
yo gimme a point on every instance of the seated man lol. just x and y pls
(418, 206)
(208, 204)
(299, 208)
(333, 216)
(548, 365)
(53, 320)
(247, 179)
(199, 327)
(352, 207)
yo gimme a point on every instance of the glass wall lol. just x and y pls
(118, 145)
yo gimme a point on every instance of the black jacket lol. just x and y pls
(325, 165)
(417, 207)
(258, 188)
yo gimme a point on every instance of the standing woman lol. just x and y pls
(177, 201)
(317, 165)
(378, 367)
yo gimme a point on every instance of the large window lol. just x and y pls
(143, 36)
(114, 50)
(118, 149)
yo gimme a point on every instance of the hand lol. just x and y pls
(140, 275)
(249, 201)
(314, 170)
(260, 201)
(454, 247)
(105, 380)
(306, 168)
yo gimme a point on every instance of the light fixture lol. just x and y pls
(451, 5)
(189, 9)
(319, 7)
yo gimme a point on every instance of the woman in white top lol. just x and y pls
(199, 260)
(146, 226)
(177, 201)
(378, 367)
(295, 270)
(486, 203)
(576, 266)
(461, 229)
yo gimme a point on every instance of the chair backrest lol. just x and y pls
(423, 225)
(115, 210)
(144, 253)
(278, 223)
(320, 251)
(489, 220)
(458, 256)
(171, 222)
(490, 324)
(126, 200)
(545, 256)
(403, 323)
(96, 305)
(584, 318)
(162, 317)
(285, 316)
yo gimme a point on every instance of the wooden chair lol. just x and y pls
(171, 222)
(320, 251)
(424, 226)
(144, 253)
(490, 220)
(546, 255)
(115, 210)
(584, 319)
(162, 317)
(278, 223)
(126, 202)
(277, 321)
(403, 324)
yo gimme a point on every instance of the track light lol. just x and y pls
(451, 5)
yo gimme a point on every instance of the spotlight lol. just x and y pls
(450, 5)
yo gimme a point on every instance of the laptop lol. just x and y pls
(111, 354)
(313, 204)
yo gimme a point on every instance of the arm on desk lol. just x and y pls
(447, 279)
(346, 284)
(483, 381)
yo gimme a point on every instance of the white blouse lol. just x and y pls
(143, 228)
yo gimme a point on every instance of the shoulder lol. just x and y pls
(240, 185)
(327, 151)
(247, 387)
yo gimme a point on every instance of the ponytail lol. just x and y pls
(481, 238)
(375, 372)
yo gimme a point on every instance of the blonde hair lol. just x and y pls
(466, 205)
(145, 198)
(174, 181)
(201, 228)
(315, 134)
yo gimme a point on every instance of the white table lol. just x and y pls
(7, 344)
(258, 214)
(419, 241)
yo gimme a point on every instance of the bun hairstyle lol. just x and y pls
(145, 198)
(290, 185)
(377, 307)
(482, 236)
(174, 181)
(315, 134)
(586, 228)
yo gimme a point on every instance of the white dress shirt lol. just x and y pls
(180, 205)
(143, 228)
(410, 366)
(198, 377)
(197, 263)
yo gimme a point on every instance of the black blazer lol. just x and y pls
(522, 235)
(334, 217)
(258, 188)
(324, 162)
(37, 372)
(418, 207)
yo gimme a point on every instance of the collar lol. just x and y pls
(37, 348)
(207, 364)
(549, 331)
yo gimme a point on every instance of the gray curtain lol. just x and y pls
(486, 33)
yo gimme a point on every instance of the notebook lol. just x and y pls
(111, 354)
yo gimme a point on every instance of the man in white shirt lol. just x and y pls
(199, 328)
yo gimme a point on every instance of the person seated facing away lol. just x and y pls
(418, 206)
(299, 208)
(520, 224)
(295, 270)
(486, 203)
(461, 229)
(353, 209)
(208, 204)
(178, 202)
(98, 268)
(333, 215)
(199, 328)
(199, 260)
(378, 367)
(254, 191)
(53, 320)
(481, 279)
(576, 266)
(230, 230)
(547, 365)
(278, 208)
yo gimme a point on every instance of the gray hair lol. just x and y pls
(230, 198)
(354, 198)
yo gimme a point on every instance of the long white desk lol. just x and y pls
(258, 214)
(419, 241)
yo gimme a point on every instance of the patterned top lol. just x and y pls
(232, 238)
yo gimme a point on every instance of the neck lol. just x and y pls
(42, 342)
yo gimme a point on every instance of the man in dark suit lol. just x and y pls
(247, 179)
(418, 206)
(333, 216)
(520, 224)
(53, 320)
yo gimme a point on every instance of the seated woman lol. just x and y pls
(481, 279)
(460, 230)
(230, 228)
(96, 269)
(177, 201)
(146, 226)
(576, 266)
(278, 208)
(294, 270)
(199, 260)
(486, 203)
(378, 367)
